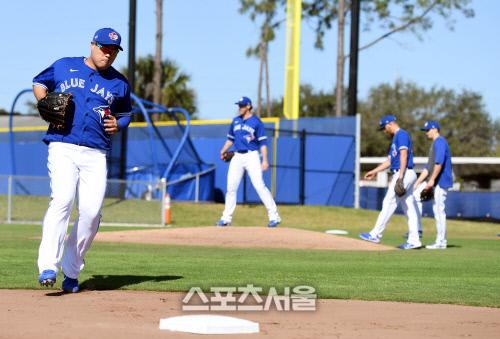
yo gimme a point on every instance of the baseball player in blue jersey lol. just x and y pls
(439, 174)
(247, 135)
(400, 163)
(77, 153)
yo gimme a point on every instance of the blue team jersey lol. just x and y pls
(247, 135)
(400, 140)
(95, 95)
(442, 156)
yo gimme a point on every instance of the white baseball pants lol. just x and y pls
(251, 163)
(408, 204)
(72, 169)
(438, 207)
(416, 194)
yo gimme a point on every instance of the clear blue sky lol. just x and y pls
(209, 38)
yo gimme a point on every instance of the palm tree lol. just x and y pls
(268, 9)
(175, 88)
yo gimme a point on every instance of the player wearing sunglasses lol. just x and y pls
(77, 152)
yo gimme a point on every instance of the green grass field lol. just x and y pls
(468, 272)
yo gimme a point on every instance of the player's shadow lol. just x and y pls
(114, 282)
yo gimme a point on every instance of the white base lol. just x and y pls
(208, 324)
(340, 232)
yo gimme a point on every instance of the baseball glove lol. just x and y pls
(54, 108)
(400, 188)
(227, 156)
(427, 194)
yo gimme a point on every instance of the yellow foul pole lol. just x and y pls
(292, 59)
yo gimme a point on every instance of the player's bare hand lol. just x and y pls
(110, 125)
(264, 165)
(430, 184)
(370, 175)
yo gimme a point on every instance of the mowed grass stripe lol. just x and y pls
(467, 273)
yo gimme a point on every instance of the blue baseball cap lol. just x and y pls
(385, 120)
(244, 101)
(108, 36)
(430, 124)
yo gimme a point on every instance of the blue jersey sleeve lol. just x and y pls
(230, 133)
(402, 141)
(125, 105)
(124, 109)
(260, 134)
(123, 122)
(439, 151)
(46, 78)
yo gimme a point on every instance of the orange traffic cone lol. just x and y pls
(168, 216)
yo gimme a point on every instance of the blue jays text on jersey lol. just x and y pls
(247, 135)
(96, 94)
(80, 83)
(400, 140)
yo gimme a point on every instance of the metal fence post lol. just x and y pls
(163, 186)
(244, 188)
(302, 176)
(197, 188)
(9, 199)
(357, 163)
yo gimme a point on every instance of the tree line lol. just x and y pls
(469, 128)
(391, 16)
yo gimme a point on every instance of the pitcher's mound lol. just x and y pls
(250, 237)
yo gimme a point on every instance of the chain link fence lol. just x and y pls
(24, 200)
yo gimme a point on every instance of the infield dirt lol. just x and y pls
(132, 314)
(246, 237)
